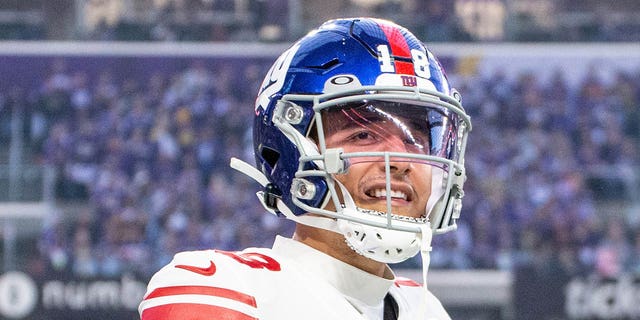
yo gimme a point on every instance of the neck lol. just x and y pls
(334, 244)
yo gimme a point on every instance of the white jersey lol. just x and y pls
(289, 281)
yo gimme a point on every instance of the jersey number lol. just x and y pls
(419, 58)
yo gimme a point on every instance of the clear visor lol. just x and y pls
(395, 127)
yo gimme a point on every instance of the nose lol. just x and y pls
(397, 165)
(400, 167)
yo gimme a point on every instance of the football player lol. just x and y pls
(360, 140)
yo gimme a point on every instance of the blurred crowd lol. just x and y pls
(286, 20)
(546, 162)
(151, 157)
(152, 160)
(183, 20)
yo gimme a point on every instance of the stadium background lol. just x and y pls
(117, 120)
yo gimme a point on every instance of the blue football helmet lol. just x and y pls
(372, 75)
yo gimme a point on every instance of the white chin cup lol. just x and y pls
(380, 244)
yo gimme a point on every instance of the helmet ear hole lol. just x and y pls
(269, 155)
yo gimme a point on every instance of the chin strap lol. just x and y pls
(255, 174)
(249, 170)
(425, 253)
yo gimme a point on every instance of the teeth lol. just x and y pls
(422, 219)
(379, 193)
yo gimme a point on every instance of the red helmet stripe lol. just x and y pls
(399, 48)
(403, 67)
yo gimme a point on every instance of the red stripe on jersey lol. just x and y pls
(203, 290)
(192, 311)
(401, 281)
(399, 48)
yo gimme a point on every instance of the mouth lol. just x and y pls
(395, 194)
(403, 200)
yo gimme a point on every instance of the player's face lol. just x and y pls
(375, 130)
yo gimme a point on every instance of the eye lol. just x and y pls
(363, 137)
(419, 135)
(417, 142)
(415, 145)
(413, 141)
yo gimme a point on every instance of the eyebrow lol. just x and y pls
(365, 121)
